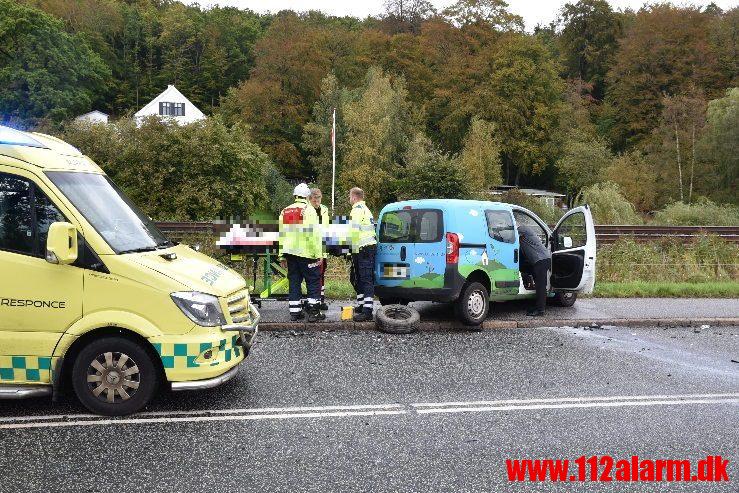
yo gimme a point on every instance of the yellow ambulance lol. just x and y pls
(93, 297)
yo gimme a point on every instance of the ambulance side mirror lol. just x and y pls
(566, 242)
(61, 244)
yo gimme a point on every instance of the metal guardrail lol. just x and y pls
(605, 233)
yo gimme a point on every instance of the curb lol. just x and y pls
(507, 324)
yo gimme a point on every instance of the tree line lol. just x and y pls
(446, 103)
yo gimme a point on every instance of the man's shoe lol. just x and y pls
(294, 317)
(363, 316)
(314, 315)
(535, 313)
(323, 306)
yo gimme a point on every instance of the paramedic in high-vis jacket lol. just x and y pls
(539, 258)
(324, 219)
(364, 249)
(301, 246)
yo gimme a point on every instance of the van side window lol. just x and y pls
(16, 215)
(412, 226)
(25, 216)
(523, 219)
(396, 227)
(428, 228)
(500, 226)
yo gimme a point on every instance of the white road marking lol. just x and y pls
(573, 399)
(303, 412)
(255, 410)
(196, 419)
(574, 405)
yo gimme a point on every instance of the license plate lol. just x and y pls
(395, 271)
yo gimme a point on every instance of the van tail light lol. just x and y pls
(452, 248)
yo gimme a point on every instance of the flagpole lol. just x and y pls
(333, 165)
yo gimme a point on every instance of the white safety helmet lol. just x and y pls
(302, 190)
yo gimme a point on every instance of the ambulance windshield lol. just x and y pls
(110, 212)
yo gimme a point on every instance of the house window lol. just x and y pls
(171, 109)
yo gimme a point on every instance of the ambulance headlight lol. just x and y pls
(201, 308)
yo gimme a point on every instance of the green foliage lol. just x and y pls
(701, 213)
(549, 214)
(520, 92)
(479, 161)
(589, 40)
(44, 71)
(582, 162)
(379, 123)
(199, 171)
(721, 144)
(668, 289)
(636, 178)
(608, 205)
(708, 259)
(494, 13)
(429, 173)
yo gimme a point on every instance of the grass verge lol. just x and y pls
(338, 289)
(641, 289)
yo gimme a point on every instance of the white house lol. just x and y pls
(171, 104)
(93, 117)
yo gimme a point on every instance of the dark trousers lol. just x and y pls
(362, 276)
(298, 270)
(540, 271)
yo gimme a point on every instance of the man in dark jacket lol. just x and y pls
(539, 258)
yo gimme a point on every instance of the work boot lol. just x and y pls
(294, 317)
(363, 316)
(323, 306)
(534, 312)
(315, 315)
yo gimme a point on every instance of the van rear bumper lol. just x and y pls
(418, 294)
(453, 282)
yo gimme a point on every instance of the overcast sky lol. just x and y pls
(533, 11)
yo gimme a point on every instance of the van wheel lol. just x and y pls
(473, 304)
(387, 300)
(114, 376)
(564, 298)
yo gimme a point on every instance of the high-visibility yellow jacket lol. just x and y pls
(325, 220)
(362, 226)
(300, 233)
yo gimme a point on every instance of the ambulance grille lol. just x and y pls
(238, 306)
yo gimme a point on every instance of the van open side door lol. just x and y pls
(573, 252)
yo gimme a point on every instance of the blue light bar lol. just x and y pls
(11, 136)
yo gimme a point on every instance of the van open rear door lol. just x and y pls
(573, 252)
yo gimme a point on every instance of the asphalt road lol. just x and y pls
(586, 308)
(284, 423)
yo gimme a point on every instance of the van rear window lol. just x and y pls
(412, 226)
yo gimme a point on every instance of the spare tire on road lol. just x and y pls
(397, 319)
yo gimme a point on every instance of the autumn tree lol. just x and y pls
(588, 40)
(665, 50)
(519, 91)
(277, 98)
(317, 132)
(379, 124)
(494, 13)
(479, 161)
(719, 144)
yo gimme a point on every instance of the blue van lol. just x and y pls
(467, 252)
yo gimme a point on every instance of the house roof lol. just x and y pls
(169, 94)
(93, 112)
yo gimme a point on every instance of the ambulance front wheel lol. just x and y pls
(114, 376)
(564, 298)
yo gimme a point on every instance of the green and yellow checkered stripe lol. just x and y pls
(183, 355)
(29, 369)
